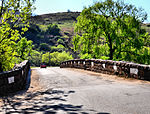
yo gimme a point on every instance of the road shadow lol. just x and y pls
(46, 102)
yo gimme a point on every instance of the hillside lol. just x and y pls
(58, 18)
(64, 20)
(54, 32)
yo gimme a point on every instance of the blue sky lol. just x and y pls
(53, 6)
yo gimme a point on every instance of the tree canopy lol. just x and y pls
(53, 29)
(56, 58)
(111, 29)
(13, 13)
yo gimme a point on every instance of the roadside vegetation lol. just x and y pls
(50, 44)
(105, 30)
(112, 30)
(13, 46)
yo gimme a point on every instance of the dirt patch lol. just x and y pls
(35, 85)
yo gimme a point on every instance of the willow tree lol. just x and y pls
(13, 13)
(111, 29)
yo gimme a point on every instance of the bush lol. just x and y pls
(44, 47)
(55, 58)
(46, 58)
(35, 58)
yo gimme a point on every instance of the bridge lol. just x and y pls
(71, 90)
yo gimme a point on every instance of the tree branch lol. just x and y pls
(2, 8)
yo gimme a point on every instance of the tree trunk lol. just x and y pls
(111, 51)
(1, 70)
(110, 54)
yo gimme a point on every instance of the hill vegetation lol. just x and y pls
(52, 33)
(58, 18)
(97, 32)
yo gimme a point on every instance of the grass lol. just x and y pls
(66, 27)
(33, 67)
(67, 24)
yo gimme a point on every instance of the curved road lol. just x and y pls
(74, 91)
(80, 91)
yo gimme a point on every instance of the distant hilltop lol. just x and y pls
(63, 17)
(54, 17)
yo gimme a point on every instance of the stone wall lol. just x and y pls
(121, 68)
(14, 80)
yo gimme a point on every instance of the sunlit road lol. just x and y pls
(74, 91)
(78, 91)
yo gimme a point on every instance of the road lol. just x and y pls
(74, 91)
(95, 94)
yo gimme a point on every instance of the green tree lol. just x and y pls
(59, 48)
(24, 47)
(13, 13)
(53, 29)
(115, 25)
(44, 47)
(35, 58)
(56, 58)
(46, 58)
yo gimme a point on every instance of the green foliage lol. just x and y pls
(111, 29)
(12, 13)
(60, 41)
(66, 24)
(53, 29)
(44, 47)
(100, 53)
(35, 58)
(86, 56)
(47, 41)
(43, 39)
(46, 58)
(55, 58)
(24, 47)
(104, 57)
(58, 48)
(42, 27)
(65, 36)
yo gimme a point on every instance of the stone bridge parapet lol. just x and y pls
(121, 68)
(14, 80)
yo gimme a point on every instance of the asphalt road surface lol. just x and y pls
(80, 91)
(75, 91)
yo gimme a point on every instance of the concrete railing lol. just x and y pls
(121, 68)
(15, 80)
